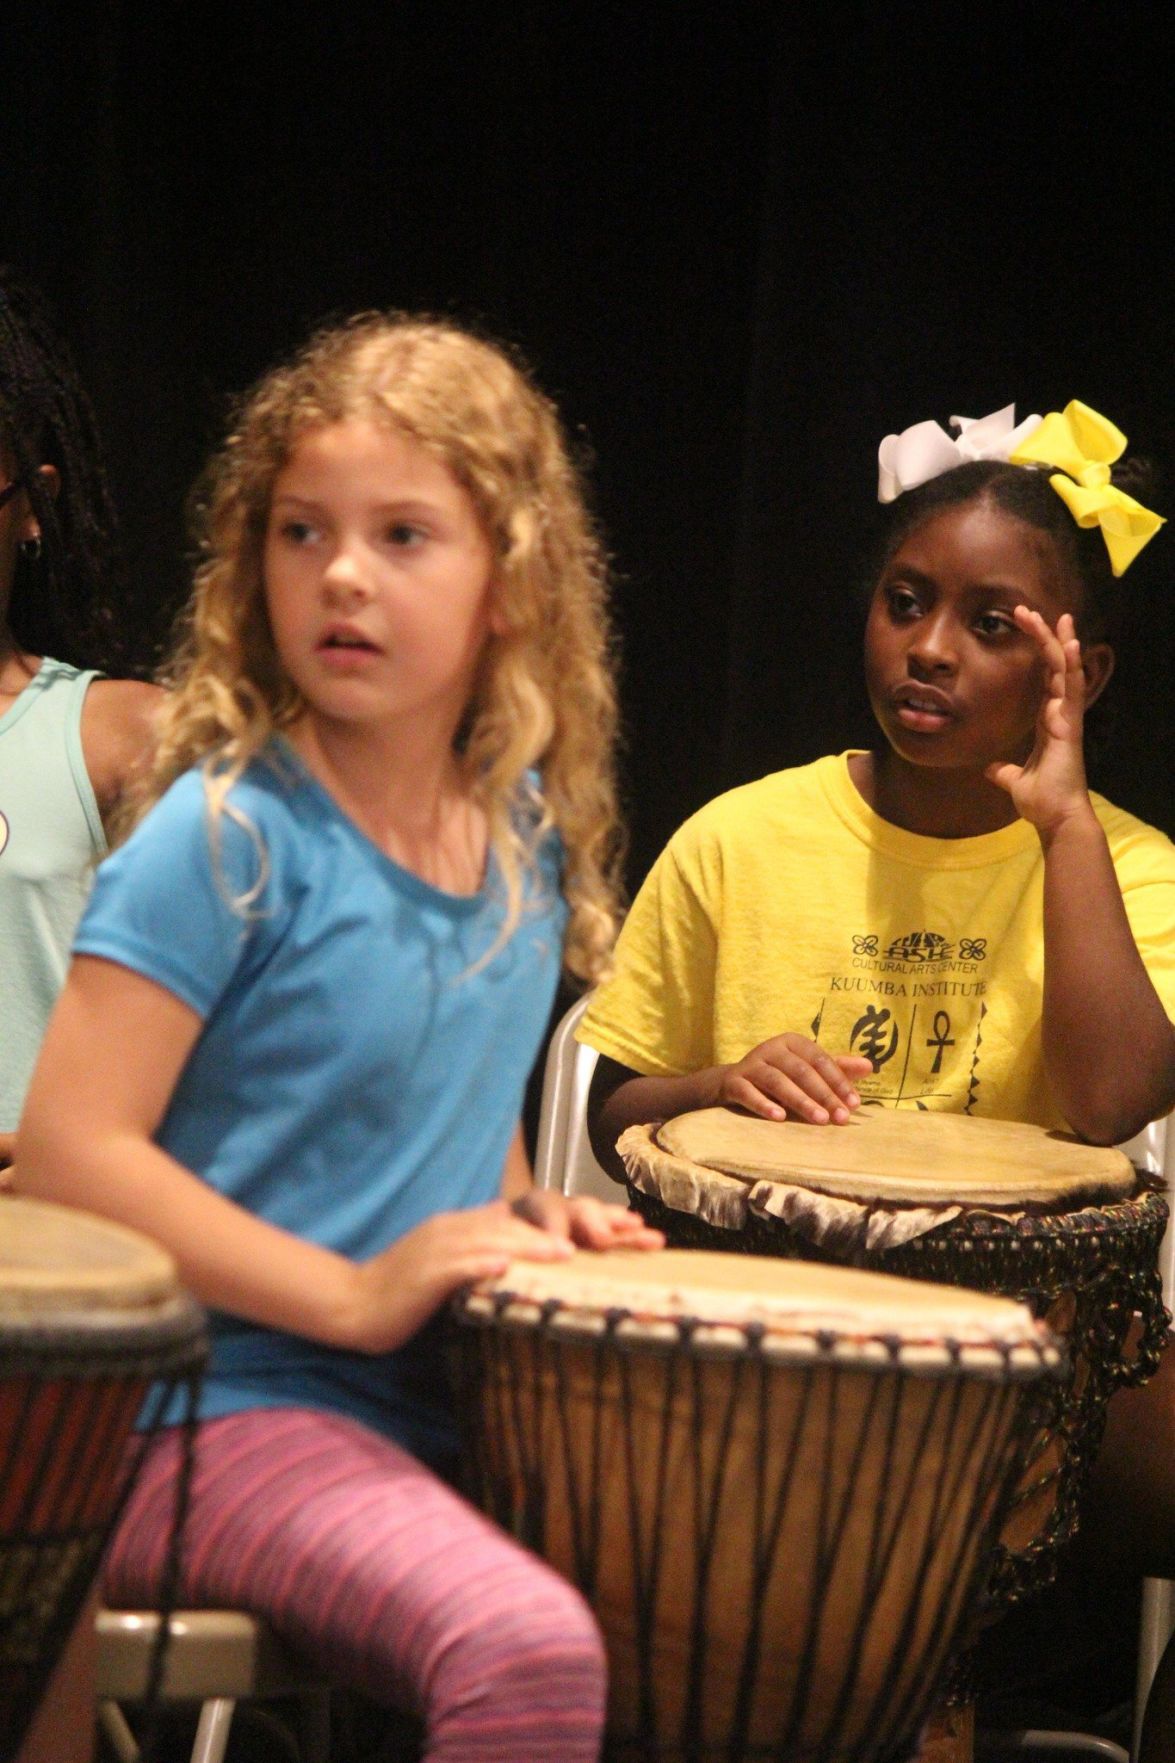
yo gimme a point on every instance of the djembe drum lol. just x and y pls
(778, 1485)
(995, 1205)
(90, 1316)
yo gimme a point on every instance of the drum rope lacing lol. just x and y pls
(1101, 1263)
(533, 1391)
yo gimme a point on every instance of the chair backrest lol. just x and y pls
(1154, 1149)
(563, 1155)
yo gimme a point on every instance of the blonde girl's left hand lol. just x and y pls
(1051, 786)
(589, 1223)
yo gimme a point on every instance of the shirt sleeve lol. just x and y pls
(655, 1015)
(1144, 861)
(179, 903)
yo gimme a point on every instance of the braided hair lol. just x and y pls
(66, 601)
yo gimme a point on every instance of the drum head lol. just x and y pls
(905, 1158)
(795, 1303)
(56, 1260)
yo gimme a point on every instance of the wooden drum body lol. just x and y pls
(777, 1485)
(90, 1316)
(996, 1206)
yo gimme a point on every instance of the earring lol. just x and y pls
(30, 549)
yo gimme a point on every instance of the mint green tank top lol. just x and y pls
(50, 839)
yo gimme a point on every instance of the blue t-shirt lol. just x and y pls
(356, 1071)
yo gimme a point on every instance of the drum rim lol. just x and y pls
(1146, 1209)
(166, 1340)
(784, 1327)
(1023, 1361)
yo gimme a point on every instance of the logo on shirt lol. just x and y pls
(875, 1036)
(918, 947)
(913, 1005)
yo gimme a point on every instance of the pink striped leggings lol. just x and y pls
(372, 1567)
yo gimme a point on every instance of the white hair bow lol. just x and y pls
(926, 450)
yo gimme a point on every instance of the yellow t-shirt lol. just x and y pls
(789, 904)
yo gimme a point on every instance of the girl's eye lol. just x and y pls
(298, 532)
(994, 624)
(403, 534)
(903, 603)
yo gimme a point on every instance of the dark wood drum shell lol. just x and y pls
(90, 1318)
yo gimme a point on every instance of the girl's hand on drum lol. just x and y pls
(396, 1292)
(790, 1077)
(588, 1223)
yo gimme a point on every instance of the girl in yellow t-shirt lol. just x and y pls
(949, 920)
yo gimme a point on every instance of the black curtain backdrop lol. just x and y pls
(738, 246)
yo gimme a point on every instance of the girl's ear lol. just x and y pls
(30, 526)
(497, 622)
(1097, 664)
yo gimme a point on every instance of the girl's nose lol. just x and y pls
(344, 580)
(932, 647)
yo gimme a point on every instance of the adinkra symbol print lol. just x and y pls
(911, 1044)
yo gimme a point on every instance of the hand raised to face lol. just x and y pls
(1050, 786)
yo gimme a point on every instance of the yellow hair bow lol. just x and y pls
(1085, 445)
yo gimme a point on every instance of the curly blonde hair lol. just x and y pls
(543, 703)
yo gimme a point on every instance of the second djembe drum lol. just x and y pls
(90, 1316)
(777, 1485)
(995, 1205)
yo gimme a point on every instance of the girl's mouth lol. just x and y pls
(349, 642)
(923, 711)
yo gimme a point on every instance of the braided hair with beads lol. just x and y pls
(68, 597)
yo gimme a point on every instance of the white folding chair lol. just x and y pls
(214, 1657)
(563, 1153)
(1154, 1149)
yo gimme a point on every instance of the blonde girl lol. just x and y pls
(309, 989)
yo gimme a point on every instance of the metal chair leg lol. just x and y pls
(216, 1717)
(1156, 1742)
(122, 1740)
(1158, 1624)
